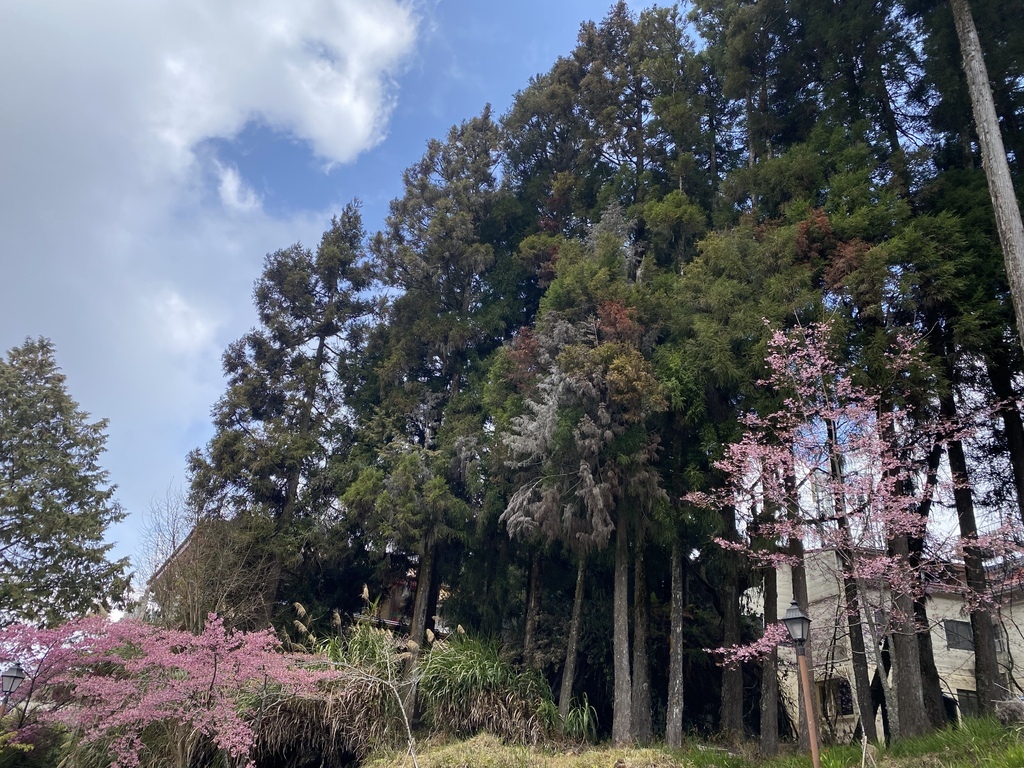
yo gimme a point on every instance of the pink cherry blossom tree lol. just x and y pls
(122, 684)
(838, 466)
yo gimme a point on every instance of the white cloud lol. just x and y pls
(108, 242)
(235, 194)
(318, 69)
(183, 328)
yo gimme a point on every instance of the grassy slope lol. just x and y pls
(980, 743)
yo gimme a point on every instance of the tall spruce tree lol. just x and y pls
(281, 424)
(437, 256)
(55, 499)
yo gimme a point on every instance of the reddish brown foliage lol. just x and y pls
(815, 239)
(617, 323)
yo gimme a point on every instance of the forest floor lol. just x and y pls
(976, 744)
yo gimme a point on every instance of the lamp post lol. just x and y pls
(9, 682)
(799, 627)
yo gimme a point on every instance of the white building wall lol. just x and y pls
(830, 648)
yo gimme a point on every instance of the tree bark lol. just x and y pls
(622, 725)
(532, 610)
(993, 156)
(931, 690)
(906, 659)
(420, 617)
(799, 574)
(880, 682)
(1001, 376)
(732, 676)
(931, 682)
(674, 715)
(986, 667)
(641, 695)
(770, 670)
(858, 654)
(572, 646)
(424, 581)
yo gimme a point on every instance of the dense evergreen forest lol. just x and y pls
(517, 389)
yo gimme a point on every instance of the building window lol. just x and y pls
(836, 698)
(959, 635)
(968, 701)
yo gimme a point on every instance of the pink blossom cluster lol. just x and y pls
(108, 681)
(828, 466)
(837, 466)
(734, 655)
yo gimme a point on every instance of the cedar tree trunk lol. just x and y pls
(532, 610)
(909, 716)
(1001, 376)
(572, 647)
(641, 697)
(770, 670)
(674, 715)
(622, 726)
(993, 157)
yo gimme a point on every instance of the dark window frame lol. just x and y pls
(959, 635)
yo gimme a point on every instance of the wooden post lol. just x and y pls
(812, 726)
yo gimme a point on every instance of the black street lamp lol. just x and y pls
(798, 624)
(9, 682)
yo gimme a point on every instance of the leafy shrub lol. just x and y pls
(354, 712)
(467, 686)
(581, 722)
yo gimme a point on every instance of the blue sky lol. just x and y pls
(152, 153)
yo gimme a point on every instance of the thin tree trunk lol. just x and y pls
(858, 652)
(713, 128)
(897, 157)
(291, 498)
(858, 655)
(931, 682)
(420, 611)
(424, 581)
(572, 646)
(732, 676)
(641, 696)
(890, 706)
(986, 667)
(622, 726)
(770, 670)
(1000, 375)
(751, 148)
(993, 155)
(434, 596)
(799, 574)
(931, 690)
(286, 513)
(906, 707)
(532, 609)
(674, 715)
(906, 658)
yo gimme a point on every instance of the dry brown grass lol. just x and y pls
(356, 715)
(486, 751)
(468, 686)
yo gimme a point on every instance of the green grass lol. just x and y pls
(977, 744)
(467, 685)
